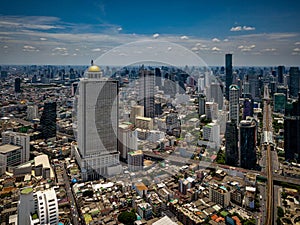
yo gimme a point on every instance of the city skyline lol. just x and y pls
(259, 33)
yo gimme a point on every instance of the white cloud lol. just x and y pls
(96, 50)
(155, 35)
(5, 46)
(59, 49)
(237, 28)
(195, 49)
(169, 48)
(43, 39)
(215, 40)
(241, 28)
(296, 49)
(216, 49)
(29, 48)
(226, 40)
(119, 28)
(184, 37)
(269, 50)
(297, 43)
(246, 48)
(248, 28)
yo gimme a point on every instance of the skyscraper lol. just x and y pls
(247, 139)
(248, 108)
(147, 82)
(216, 94)
(97, 123)
(292, 132)
(294, 82)
(48, 120)
(231, 136)
(228, 73)
(234, 107)
(280, 72)
(42, 204)
(17, 85)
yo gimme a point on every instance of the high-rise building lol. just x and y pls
(146, 91)
(219, 195)
(19, 139)
(136, 110)
(294, 82)
(211, 132)
(234, 106)
(228, 73)
(201, 102)
(247, 145)
(10, 155)
(292, 132)
(127, 140)
(216, 94)
(18, 85)
(248, 108)
(211, 110)
(279, 102)
(231, 146)
(97, 125)
(48, 120)
(32, 112)
(280, 72)
(135, 160)
(40, 207)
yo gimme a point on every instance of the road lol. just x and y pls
(74, 210)
(269, 168)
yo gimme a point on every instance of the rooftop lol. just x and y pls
(8, 148)
(26, 191)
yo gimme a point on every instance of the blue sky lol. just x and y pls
(73, 32)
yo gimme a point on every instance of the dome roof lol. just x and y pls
(94, 68)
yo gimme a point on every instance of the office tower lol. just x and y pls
(135, 160)
(279, 102)
(32, 112)
(40, 207)
(172, 123)
(201, 102)
(10, 155)
(201, 84)
(234, 106)
(97, 123)
(211, 132)
(247, 138)
(74, 87)
(246, 88)
(158, 77)
(136, 111)
(231, 145)
(228, 73)
(48, 120)
(211, 110)
(219, 195)
(17, 85)
(127, 140)
(292, 132)
(280, 72)
(294, 82)
(18, 139)
(253, 80)
(247, 108)
(216, 94)
(146, 97)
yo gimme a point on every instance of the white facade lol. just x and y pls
(19, 139)
(97, 123)
(155, 136)
(128, 140)
(211, 132)
(42, 203)
(32, 112)
(234, 107)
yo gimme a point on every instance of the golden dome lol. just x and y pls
(94, 68)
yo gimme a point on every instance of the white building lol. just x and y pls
(155, 135)
(32, 112)
(40, 207)
(234, 107)
(19, 139)
(216, 94)
(211, 132)
(211, 110)
(10, 155)
(97, 125)
(128, 140)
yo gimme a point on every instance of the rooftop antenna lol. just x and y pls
(92, 62)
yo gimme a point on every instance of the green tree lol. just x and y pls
(280, 211)
(127, 218)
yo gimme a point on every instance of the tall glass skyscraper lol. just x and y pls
(146, 91)
(48, 120)
(97, 124)
(228, 73)
(234, 107)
